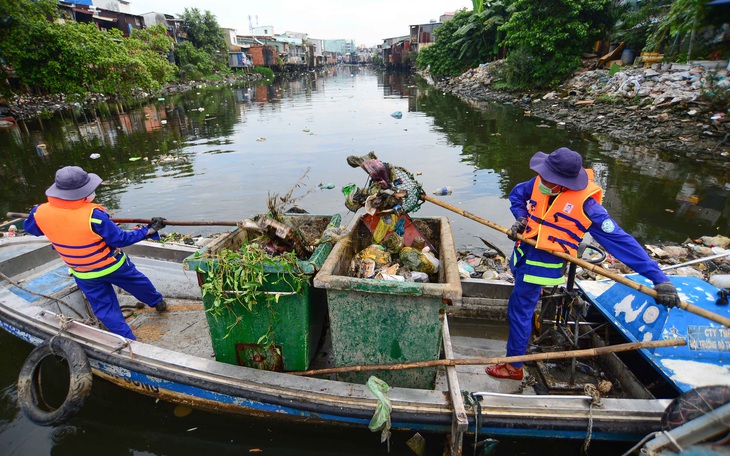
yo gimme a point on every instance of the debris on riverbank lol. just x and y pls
(25, 107)
(668, 109)
(702, 258)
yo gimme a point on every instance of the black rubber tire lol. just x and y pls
(30, 395)
(694, 403)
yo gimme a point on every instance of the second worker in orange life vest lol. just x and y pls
(89, 242)
(556, 209)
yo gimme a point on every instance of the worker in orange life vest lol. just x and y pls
(89, 242)
(557, 208)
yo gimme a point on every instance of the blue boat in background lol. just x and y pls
(705, 360)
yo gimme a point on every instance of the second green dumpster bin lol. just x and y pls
(279, 334)
(386, 322)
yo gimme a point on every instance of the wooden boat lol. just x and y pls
(173, 360)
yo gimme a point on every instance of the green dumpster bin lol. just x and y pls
(294, 322)
(386, 322)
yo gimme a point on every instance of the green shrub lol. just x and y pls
(268, 73)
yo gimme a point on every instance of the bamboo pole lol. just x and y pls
(583, 263)
(148, 221)
(597, 351)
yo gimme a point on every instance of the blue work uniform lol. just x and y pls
(99, 291)
(530, 261)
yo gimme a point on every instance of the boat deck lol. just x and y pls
(183, 327)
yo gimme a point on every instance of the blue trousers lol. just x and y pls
(520, 308)
(103, 299)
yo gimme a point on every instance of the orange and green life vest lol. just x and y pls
(561, 225)
(67, 224)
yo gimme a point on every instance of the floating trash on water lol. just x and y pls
(396, 114)
(261, 139)
(181, 411)
(94, 156)
(41, 150)
(134, 159)
(328, 186)
(161, 99)
(201, 109)
(163, 122)
(417, 444)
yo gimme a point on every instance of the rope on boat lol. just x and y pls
(476, 405)
(474, 401)
(596, 400)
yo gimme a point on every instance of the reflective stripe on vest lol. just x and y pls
(560, 226)
(67, 224)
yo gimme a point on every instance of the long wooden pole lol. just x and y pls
(598, 351)
(147, 221)
(582, 263)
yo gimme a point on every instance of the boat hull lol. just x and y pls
(207, 384)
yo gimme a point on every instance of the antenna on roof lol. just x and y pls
(250, 25)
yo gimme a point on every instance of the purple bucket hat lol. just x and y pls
(563, 167)
(73, 183)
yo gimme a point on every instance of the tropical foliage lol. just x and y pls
(75, 58)
(547, 38)
(206, 50)
(460, 45)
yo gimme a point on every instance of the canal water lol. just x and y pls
(221, 153)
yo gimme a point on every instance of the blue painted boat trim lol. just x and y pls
(639, 318)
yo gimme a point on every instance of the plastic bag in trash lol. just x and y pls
(376, 253)
(415, 260)
(393, 243)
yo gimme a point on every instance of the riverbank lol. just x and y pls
(26, 107)
(670, 110)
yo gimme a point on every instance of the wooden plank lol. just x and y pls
(460, 421)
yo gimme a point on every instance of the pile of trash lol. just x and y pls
(653, 87)
(389, 189)
(707, 258)
(391, 260)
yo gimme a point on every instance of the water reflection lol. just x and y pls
(218, 152)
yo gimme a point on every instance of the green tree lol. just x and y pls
(681, 19)
(76, 58)
(194, 63)
(635, 22)
(546, 38)
(205, 34)
(460, 44)
(150, 47)
(16, 18)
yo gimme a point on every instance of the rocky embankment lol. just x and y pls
(669, 110)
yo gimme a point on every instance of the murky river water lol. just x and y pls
(218, 153)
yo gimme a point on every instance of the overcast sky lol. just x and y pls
(367, 22)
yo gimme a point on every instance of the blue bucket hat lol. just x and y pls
(73, 183)
(563, 167)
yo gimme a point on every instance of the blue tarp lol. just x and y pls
(80, 2)
(705, 360)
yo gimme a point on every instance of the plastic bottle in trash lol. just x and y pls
(443, 191)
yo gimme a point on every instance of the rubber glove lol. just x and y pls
(667, 295)
(157, 223)
(517, 228)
